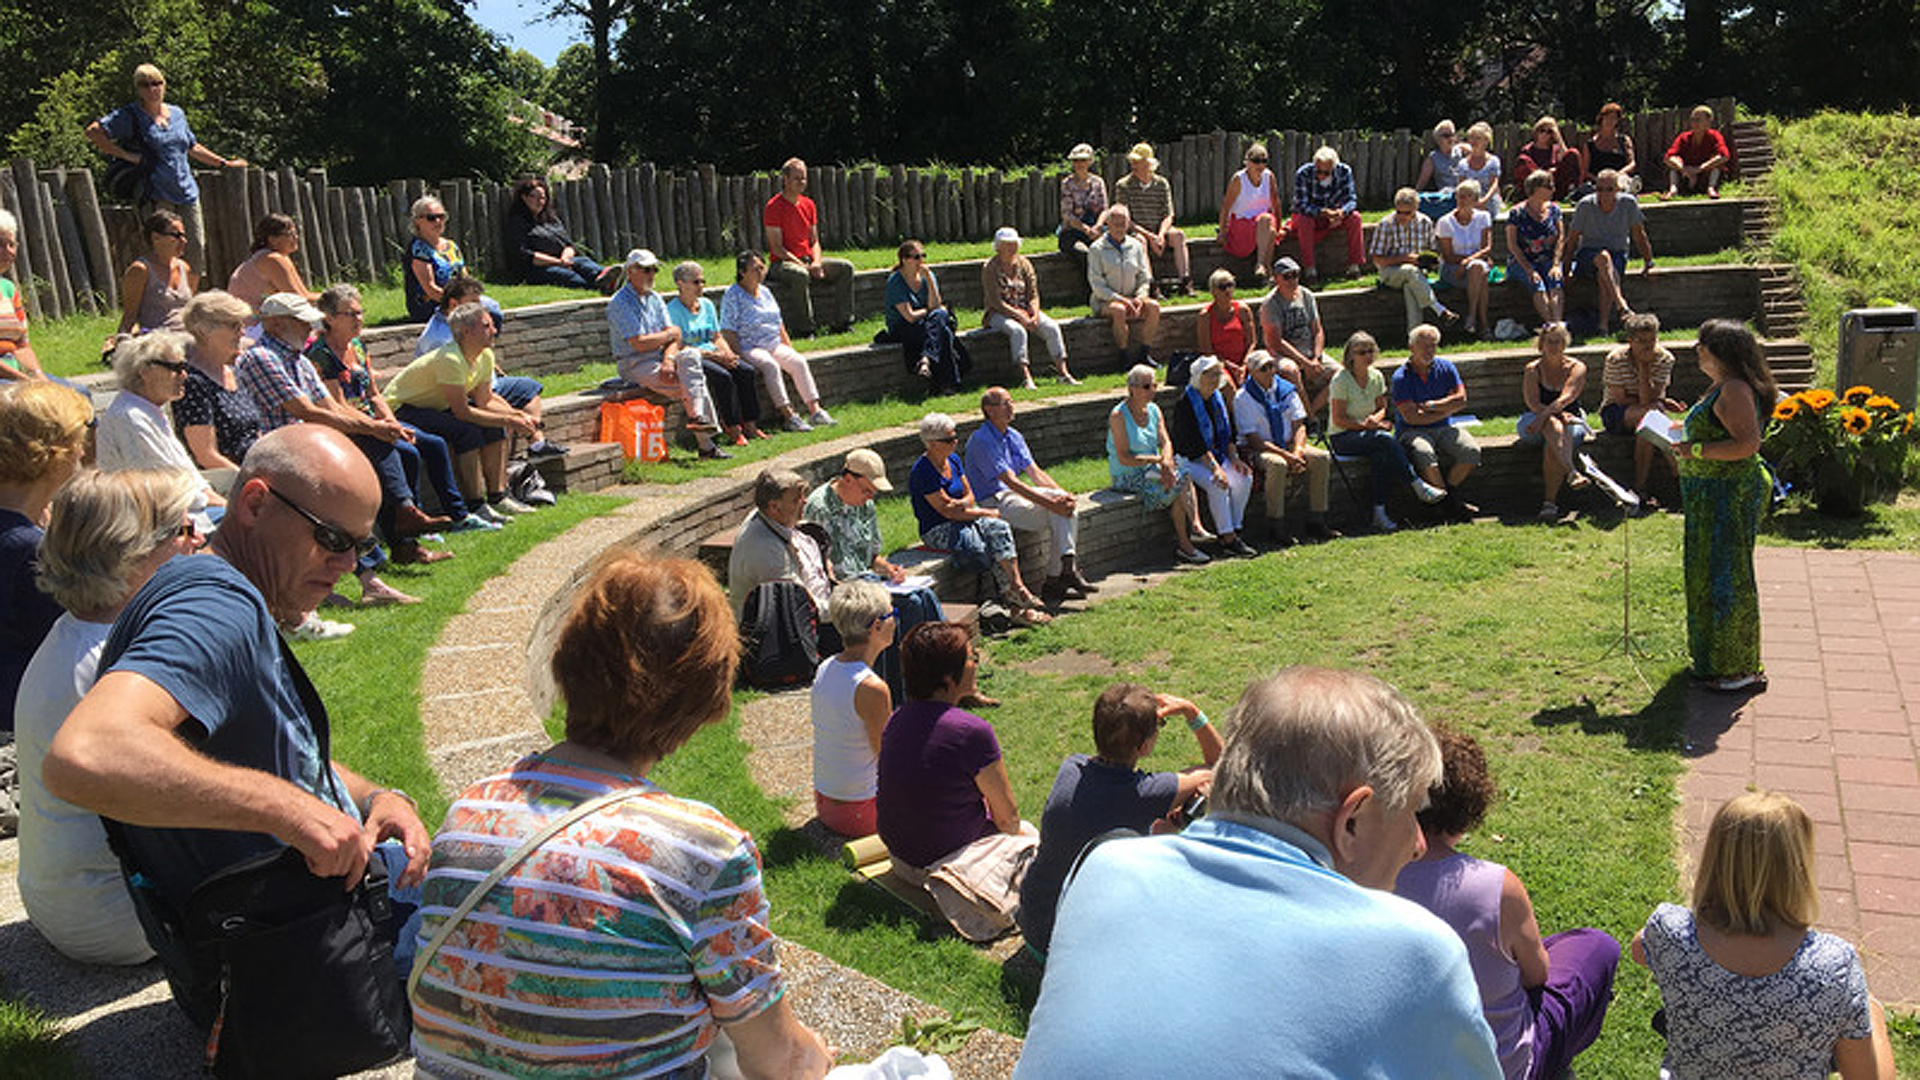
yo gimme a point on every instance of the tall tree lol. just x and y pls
(602, 19)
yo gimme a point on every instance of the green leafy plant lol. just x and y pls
(1859, 438)
(940, 1035)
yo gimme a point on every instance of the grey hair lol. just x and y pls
(771, 484)
(1140, 373)
(1443, 128)
(1406, 196)
(336, 299)
(135, 354)
(423, 206)
(1424, 332)
(936, 425)
(466, 317)
(9, 225)
(1302, 739)
(213, 309)
(1640, 322)
(854, 606)
(1326, 155)
(1469, 186)
(1117, 210)
(1612, 176)
(687, 271)
(101, 525)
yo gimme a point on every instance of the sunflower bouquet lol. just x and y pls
(1857, 442)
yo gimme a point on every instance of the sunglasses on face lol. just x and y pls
(331, 538)
(148, 84)
(433, 217)
(1256, 161)
(178, 367)
(179, 234)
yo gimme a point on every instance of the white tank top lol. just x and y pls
(844, 764)
(1253, 201)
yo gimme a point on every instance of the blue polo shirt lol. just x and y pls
(1441, 379)
(991, 452)
(1235, 949)
(630, 315)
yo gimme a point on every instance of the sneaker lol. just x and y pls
(545, 448)
(1241, 548)
(821, 418)
(507, 504)
(794, 423)
(489, 513)
(1196, 557)
(315, 628)
(473, 522)
(714, 453)
(1549, 512)
(1426, 492)
(1318, 531)
(1383, 523)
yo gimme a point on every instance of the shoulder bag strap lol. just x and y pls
(486, 885)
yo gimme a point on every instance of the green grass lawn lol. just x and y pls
(31, 1046)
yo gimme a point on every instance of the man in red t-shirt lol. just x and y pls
(794, 260)
(1697, 157)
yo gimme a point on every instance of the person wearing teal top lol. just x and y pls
(730, 380)
(1140, 461)
(1723, 492)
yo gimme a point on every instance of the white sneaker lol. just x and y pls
(821, 418)
(315, 628)
(794, 423)
(487, 513)
(1426, 492)
(1383, 523)
(510, 505)
(473, 522)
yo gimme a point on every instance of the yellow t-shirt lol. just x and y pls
(419, 383)
(1359, 398)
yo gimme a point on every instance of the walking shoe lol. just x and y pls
(714, 453)
(1460, 509)
(1196, 557)
(1241, 548)
(545, 448)
(821, 418)
(493, 517)
(315, 628)
(473, 522)
(1317, 531)
(1549, 512)
(1279, 535)
(1053, 590)
(794, 423)
(1383, 523)
(1426, 492)
(507, 504)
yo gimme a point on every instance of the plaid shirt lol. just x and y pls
(273, 373)
(1392, 238)
(1312, 195)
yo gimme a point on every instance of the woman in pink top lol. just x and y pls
(1544, 1000)
(270, 269)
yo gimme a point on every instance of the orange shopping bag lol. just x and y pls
(638, 426)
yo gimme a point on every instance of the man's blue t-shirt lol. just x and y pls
(1089, 797)
(201, 632)
(132, 129)
(1441, 379)
(990, 453)
(925, 480)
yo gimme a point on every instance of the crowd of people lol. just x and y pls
(569, 913)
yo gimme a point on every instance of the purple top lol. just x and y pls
(928, 805)
(1465, 893)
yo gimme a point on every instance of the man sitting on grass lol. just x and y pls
(1092, 795)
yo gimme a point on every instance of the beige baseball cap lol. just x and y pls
(866, 463)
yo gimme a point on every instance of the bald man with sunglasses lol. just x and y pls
(203, 736)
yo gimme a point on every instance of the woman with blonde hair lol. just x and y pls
(432, 258)
(1548, 152)
(1552, 385)
(153, 136)
(216, 417)
(1358, 410)
(106, 535)
(1750, 989)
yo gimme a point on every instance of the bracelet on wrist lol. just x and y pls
(1197, 721)
(377, 792)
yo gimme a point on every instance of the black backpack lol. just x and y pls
(781, 630)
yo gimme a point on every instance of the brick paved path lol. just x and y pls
(1839, 730)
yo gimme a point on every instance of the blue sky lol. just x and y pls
(514, 20)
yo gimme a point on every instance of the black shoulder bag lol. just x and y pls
(127, 181)
(291, 975)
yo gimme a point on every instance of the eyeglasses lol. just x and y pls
(147, 84)
(331, 537)
(178, 367)
(699, 281)
(1290, 275)
(878, 619)
(354, 313)
(433, 217)
(944, 439)
(914, 255)
(177, 234)
(1256, 161)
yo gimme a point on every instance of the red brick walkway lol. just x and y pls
(1839, 730)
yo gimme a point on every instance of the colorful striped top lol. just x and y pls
(612, 950)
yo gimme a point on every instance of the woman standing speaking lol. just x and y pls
(1724, 488)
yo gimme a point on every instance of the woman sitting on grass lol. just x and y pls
(1554, 420)
(626, 941)
(1750, 989)
(850, 703)
(1545, 1000)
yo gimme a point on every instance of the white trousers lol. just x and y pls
(771, 362)
(1024, 516)
(1229, 506)
(1048, 330)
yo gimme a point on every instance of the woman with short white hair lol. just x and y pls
(432, 258)
(850, 704)
(1203, 443)
(1011, 291)
(134, 432)
(974, 536)
(106, 535)
(1464, 237)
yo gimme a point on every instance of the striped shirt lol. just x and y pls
(1623, 375)
(612, 950)
(1391, 237)
(1150, 203)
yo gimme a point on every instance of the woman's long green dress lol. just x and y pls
(1723, 501)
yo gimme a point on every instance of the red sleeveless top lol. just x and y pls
(1229, 338)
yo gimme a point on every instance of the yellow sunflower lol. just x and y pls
(1857, 395)
(1786, 409)
(1906, 425)
(1818, 399)
(1856, 421)
(1883, 402)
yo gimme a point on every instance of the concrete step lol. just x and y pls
(586, 466)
